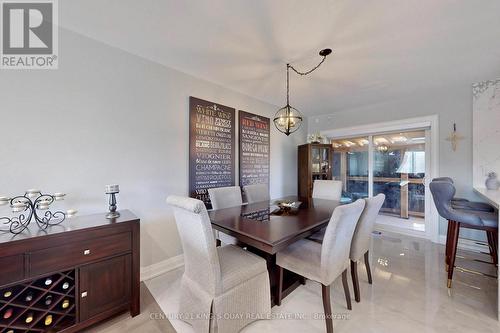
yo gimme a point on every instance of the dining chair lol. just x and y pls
(223, 288)
(327, 189)
(257, 193)
(443, 193)
(463, 203)
(325, 262)
(360, 245)
(225, 197)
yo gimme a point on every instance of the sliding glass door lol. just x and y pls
(399, 172)
(390, 163)
(350, 165)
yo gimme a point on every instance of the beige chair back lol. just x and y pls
(256, 193)
(337, 240)
(327, 189)
(362, 235)
(201, 262)
(225, 197)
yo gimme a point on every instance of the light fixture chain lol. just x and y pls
(309, 71)
(288, 84)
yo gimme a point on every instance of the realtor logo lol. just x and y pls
(29, 34)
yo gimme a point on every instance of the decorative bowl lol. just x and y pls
(287, 207)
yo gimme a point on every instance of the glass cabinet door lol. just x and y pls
(316, 159)
(325, 160)
(320, 162)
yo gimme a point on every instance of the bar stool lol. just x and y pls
(462, 203)
(443, 193)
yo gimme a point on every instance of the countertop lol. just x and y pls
(492, 196)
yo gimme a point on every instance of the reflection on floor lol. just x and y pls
(151, 319)
(413, 226)
(409, 294)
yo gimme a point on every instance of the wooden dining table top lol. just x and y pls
(252, 224)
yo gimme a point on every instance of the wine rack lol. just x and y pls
(46, 304)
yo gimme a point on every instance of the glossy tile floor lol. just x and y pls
(412, 223)
(409, 294)
(151, 319)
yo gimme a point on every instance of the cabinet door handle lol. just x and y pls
(86, 252)
(84, 294)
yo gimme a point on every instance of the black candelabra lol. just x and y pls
(33, 205)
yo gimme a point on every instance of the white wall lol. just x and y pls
(486, 134)
(453, 104)
(106, 116)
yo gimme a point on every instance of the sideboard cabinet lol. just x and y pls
(70, 276)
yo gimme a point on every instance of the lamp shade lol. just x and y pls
(413, 162)
(288, 119)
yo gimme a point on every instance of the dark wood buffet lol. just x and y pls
(69, 276)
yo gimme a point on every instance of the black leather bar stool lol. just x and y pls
(443, 193)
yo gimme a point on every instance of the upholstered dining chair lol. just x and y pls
(256, 193)
(327, 189)
(360, 244)
(325, 262)
(462, 203)
(218, 282)
(443, 193)
(225, 197)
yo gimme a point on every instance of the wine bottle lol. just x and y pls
(48, 320)
(65, 285)
(7, 294)
(8, 313)
(29, 297)
(48, 281)
(65, 304)
(48, 300)
(29, 318)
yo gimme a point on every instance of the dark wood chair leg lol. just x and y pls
(367, 264)
(279, 286)
(355, 280)
(453, 251)
(447, 247)
(490, 244)
(346, 290)
(327, 306)
(493, 245)
(494, 235)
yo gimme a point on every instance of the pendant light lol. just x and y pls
(288, 119)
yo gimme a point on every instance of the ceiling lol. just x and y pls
(383, 49)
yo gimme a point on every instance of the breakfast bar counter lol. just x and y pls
(493, 198)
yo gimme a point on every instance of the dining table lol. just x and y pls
(264, 229)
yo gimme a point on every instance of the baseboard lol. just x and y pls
(403, 231)
(161, 267)
(468, 244)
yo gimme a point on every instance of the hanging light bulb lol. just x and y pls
(288, 119)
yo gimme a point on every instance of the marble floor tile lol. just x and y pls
(408, 294)
(150, 320)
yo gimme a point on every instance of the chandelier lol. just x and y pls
(288, 119)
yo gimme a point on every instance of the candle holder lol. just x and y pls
(112, 190)
(32, 205)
